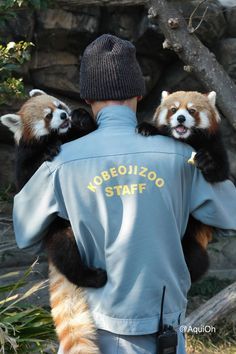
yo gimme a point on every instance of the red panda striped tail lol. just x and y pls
(71, 315)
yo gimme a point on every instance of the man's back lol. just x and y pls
(127, 198)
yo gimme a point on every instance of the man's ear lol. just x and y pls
(12, 121)
(36, 92)
(139, 98)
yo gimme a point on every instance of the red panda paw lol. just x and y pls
(52, 151)
(207, 164)
(93, 277)
(146, 129)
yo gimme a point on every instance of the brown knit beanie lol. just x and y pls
(109, 70)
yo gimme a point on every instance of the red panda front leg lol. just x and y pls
(147, 129)
(212, 159)
(63, 252)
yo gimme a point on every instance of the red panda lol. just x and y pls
(40, 127)
(192, 117)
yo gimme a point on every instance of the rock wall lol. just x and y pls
(60, 35)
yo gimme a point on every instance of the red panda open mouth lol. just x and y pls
(181, 129)
(65, 124)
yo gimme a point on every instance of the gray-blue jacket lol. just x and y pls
(128, 199)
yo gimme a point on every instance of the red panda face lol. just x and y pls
(56, 117)
(43, 114)
(183, 112)
(38, 117)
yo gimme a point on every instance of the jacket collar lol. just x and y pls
(116, 116)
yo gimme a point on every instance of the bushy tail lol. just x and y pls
(72, 319)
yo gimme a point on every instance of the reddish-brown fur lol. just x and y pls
(204, 235)
(201, 104)
(70, 312)
(32, 112)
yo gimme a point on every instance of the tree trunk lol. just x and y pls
(215, 309)
(196, 56)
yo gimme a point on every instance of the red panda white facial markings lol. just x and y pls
(204, 120)
(38, 117)
(182, 111)
(42, 114)
(63, 106)
(47, 112)
(160, 117)
(52, 119)
(39, 129)
(61, 117)
(60, 121)
(181, 123)
(177, 104)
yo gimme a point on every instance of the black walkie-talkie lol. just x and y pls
(167, 339)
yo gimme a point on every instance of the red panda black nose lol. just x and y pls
(63, 115)
(181, 119)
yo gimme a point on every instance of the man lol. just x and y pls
(128, 199)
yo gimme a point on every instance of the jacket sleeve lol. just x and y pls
(213, 204)
(35, 207)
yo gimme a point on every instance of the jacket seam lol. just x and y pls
(141, 319)
(109, 155)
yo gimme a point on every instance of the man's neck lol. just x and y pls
(97, 106)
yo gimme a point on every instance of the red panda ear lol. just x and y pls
(12, 121)
(164, 94)
(212, 98)
(36, 92)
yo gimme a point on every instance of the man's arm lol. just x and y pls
(213, 204)
(35, 207)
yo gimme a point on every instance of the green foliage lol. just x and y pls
(23, 330)
(13, 55)
(223, 341)
(8, 7)
(208, 287)
(9, 4)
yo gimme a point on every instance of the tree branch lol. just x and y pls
(190, 23)
(197, 57)
(215, 309)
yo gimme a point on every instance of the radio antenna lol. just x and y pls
(161, 324)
